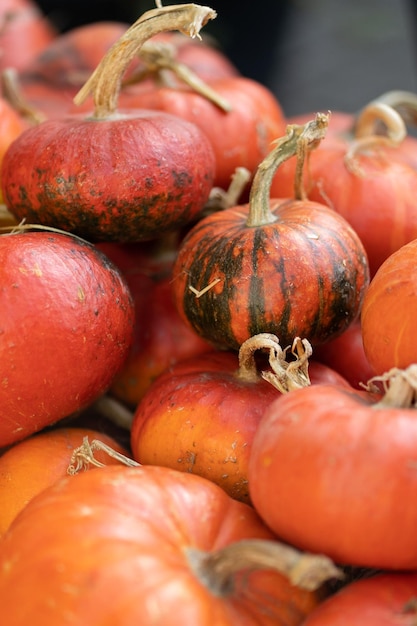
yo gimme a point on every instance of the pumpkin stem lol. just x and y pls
(161, 56)
(298, 141)
(83, 456)
(114, 411)
(400, 388)
(404, 102)
(106, 80)
(217, 569)
(286, 376)
(11, 91)
(376, 118)
(219, 199)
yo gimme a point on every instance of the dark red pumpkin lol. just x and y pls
(119, 176)
(66, 323)
(289, 267)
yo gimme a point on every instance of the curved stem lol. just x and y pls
(11, 91)
(369, 121)
(247, 364)
(160, 56)
(404, 102)
(299, 140)
(83, 456)
(217, 569)
(105, 82)
(286, 376)
(219, 199)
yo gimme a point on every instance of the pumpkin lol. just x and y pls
(200, 415)
(389, 312)
(66, 320)
(331, 467)
(239, 115)
(151, 546)
(346, 355)
(289, 267)
(11, 126)
(367, 178)
(385, 599)
(24, 32)
(53, 76)
(114, 176)
(33, 464)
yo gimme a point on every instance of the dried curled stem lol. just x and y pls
(285, 375)
(369, 122)
(83, 456)
(106, 80)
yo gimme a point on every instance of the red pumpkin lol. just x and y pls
(52, 78)
(118, 176)
(371, 185)
(133, 546)
(290, 267)
(37, 462)
(381, 600)
(24, 32)
(390, 311)
(330, 468)
(66, 320)
(241, 137)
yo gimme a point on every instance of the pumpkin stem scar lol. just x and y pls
(198, 293)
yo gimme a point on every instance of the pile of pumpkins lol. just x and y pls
(211, 305)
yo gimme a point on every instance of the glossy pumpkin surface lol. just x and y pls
(329, 470)
(66, 320)
(303, 275)
(131, 536)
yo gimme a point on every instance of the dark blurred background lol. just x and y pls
(313, 54)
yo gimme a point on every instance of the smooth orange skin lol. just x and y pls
(331, 474)
(37, 462)
(122, 540)
(389, 312)
(66, 321)
(200, 417)
(382, 600)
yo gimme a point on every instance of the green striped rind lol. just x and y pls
(303, 275)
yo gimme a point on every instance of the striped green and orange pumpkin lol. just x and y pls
(291, 267)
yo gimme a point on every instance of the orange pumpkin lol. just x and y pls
(33, 464)
(144, 546)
